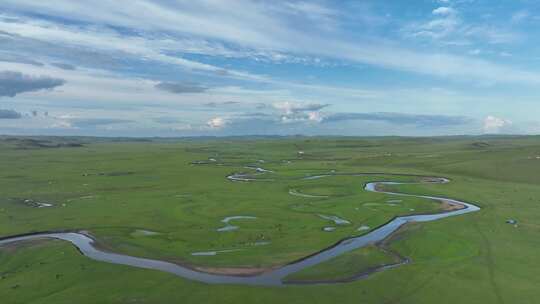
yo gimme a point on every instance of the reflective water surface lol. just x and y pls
(275, 277)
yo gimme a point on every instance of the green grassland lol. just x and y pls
(151, 198)
(346, 266)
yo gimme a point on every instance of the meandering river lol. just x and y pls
(85, 244)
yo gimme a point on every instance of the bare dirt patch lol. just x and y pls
(451, 206)
(240, 271)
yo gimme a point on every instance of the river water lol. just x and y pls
(275, 277)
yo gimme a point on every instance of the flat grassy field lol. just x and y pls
(168, 199)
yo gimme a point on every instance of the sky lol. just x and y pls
(253, 67)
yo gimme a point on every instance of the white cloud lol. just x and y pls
(448, 27)
(158, 34)
(289, 108)
(324, 16)
(491, 34)
(108, 89)
(286, 107)
(445, 22)
(298, 112)
(262, 27)
(315, 116)
(217, 123)
(493, 125)
(104, 40)
(444, 11)
(61, 124)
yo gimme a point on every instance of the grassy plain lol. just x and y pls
(148, 198)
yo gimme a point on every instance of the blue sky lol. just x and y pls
(241, 67)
